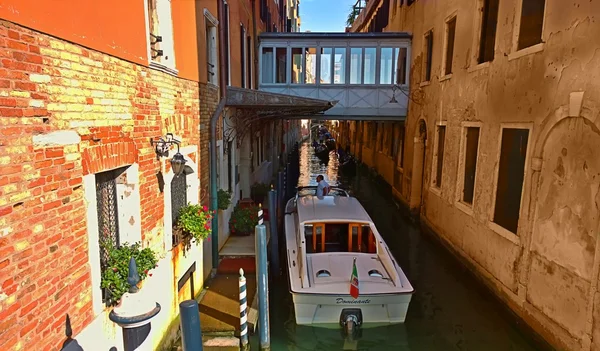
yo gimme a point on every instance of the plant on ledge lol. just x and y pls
(114, 277)
(223, 199)
(194, 220)
(243, 220)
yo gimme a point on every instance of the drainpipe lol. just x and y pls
(256, 45)
(213, 142)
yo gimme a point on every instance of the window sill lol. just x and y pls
(479, 67)
(160, 67)
(424, 84)
(400, 169)
(464, 207)
(526, 51)
(510, 236)
(435, 190)
(446, 77)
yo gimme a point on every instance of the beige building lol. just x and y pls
(497, 151)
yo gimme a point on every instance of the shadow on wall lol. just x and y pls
(71, 344)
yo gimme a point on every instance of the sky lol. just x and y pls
(324, 15)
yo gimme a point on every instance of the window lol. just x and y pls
(449, 53)
(385, 69)
(428, 56)
(226, 38)
(489, 22)
(296, 66)
(532, 22)
(339, 66)
(230, 159)
(243, 57)
(310, 64)
(160, 23)
(326, 57)
(400, 147)
(249, 51)
(400, 65)
(355, 65)
(267, 65)
(339, 237)
(470, 164)
(178, 200)
(439, 155)
(511, 174)
(370, 64)
(280, 64)
(211, 49)
(108, 217)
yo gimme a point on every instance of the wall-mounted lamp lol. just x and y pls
(393, 100)
(162, 149)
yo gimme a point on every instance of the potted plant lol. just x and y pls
(223, 199)
(259, 191)
(194, 222)
(243, 220)
(114, 276)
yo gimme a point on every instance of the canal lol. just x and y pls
(450, 310)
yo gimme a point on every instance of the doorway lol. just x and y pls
(418, 174)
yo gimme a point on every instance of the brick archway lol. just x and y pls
(104, 157)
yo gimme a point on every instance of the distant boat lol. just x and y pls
(340, 269)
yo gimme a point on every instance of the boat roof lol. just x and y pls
(330, 209)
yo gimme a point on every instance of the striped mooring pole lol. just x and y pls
(243, 316)
(260, 214)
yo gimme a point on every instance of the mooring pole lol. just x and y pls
(280, 185)
(289, 177)
(243, 316)
(263, 287)
(191, 332)
(273, 227)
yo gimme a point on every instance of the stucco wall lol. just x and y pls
(548, 270)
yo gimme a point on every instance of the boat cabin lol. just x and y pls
(339, 237)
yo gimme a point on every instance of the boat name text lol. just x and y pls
(353, 302)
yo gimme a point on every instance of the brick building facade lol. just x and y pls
(72, 117)
(497, 157)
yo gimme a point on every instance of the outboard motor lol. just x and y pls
(350, 320)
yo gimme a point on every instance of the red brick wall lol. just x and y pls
(48, 85)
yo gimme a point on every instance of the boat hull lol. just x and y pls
(322, 310)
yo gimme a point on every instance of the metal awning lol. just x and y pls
(247, 107)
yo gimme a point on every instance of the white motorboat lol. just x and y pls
(340, 269)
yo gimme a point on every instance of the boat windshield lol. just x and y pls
(312, 191)
(339, 237)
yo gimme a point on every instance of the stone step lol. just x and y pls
(221, 343)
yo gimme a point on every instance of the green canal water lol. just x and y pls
(450, 310)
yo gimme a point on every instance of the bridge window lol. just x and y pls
(296, 71)
(310, 65)
(267, 65)
(355, 65)
(281, 63)
(339, 67)
(370, 65)
(400, 65)
(325, 77)
(385, 73)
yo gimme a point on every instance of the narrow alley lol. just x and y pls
(450, 309)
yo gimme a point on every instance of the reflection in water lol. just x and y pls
(449, 310)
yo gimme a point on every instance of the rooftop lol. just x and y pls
(331, 209)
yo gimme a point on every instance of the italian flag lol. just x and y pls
(354, 281)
